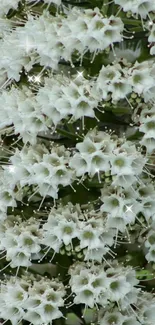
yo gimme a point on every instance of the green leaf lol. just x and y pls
(145, 274)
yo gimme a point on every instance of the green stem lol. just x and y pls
(105, 6)
(136, 29)
(44, 138)
(131, 21)
(67, 134)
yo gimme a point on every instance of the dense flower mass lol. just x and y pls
(33, 299)
(77, 162)
(95, 285)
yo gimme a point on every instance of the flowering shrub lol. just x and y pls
(77, 166)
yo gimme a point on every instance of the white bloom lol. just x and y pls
(150, 256)
(148, 127)
(21, 241)
(120, 89)
(151, 37)
(38, 298)
(121, 164)
(61, 227)
(150, 239)
(122, 51)
(148, 313)
(149, 143)
(118, 288)
(91, 282)
(51, 241)
(89, 236)
(97, 253)
(114, 317)
(139, 7)
(152, 50)
(140, 77)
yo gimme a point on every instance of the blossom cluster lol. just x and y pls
(34, 299)
(96, 285)
(120, 81)
(77, 144)
(146, 121)
(61, 98)
(98, 153)
(47, 39)
(88, 234)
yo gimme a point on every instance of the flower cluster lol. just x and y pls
(81, 232)
(56, 38)
(61, 97)
(20, 240)
(142, 313)
(147, 127)
(20, 108)
(33, 299)
(99, 284)
(100, 152)
(38, 166)
(119, 81)
(122, 206)
(77, 176)
(8, 196)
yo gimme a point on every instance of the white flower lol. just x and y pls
(122, 51)
(139, 7)
(121, 164)
(150, 239)
(148, 127)
(150, 256)
(47, 312)
(16, 294)
(89, 236)
(87, 285)
(65, 229)
(140, 77)
(93, 154)
(12, 313)
(147, 207)
(131, 5)
(149, 143)
(118, 288)
(114, 317)
(34, 317)
(120, 89)
(151, 37)
(148, 314)
(52, 241)
(152, 50)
